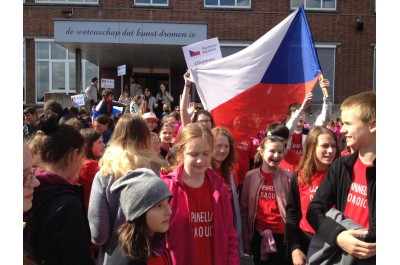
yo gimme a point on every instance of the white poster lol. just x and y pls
(202, 52)
(107, 83)
(121, 70)
(77, 100)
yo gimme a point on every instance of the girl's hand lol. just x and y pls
(186, 75)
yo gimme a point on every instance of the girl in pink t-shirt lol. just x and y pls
(201, 225)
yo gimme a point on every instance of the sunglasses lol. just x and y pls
(275, 138)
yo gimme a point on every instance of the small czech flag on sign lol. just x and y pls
(192, 54)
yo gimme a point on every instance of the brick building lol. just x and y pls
(61, 36)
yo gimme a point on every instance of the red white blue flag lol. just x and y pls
(248, 90)
(192, 53)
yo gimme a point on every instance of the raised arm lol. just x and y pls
(294, 118)
(184, 104)
(325, 116)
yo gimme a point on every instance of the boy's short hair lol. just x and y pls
(30, 110)
(106, 93)
(364, 103)
(94, 79)
(278, 129)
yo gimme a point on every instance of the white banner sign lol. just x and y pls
(202, 52)
(77, 100)
(121, 70)
(107, 83)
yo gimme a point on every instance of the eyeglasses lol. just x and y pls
(28, 178)
(275, 138)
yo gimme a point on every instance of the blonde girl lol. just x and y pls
(130, 148)
(201, 225)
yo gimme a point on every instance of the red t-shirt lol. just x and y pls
(307, 193)
(268, 216)
(357, 205)
(202, 221)
(297, 143)
(290, 161)
(245, 151)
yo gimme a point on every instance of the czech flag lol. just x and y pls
(193, 54)
(248, 90)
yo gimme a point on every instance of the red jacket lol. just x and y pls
(88, 171)
(179, 239)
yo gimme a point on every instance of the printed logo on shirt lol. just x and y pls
(358, 195)
(267, 191)
(202, 224)
(313, 190)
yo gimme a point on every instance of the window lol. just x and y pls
(89, 71)
(314, 4)
(326, 56)
(55, 69)
(151, 2)
(68, 1)
(227, 3)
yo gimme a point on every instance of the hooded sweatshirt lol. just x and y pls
(57, 227)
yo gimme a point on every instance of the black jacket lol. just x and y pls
(333, 190)
(117, 258)
(296, 237)
(57, 230)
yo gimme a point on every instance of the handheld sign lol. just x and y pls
(202, 52)
(77, 100)
(121, 70)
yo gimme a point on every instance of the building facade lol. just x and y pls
(67, 42)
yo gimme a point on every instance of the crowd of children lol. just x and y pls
(175, 188)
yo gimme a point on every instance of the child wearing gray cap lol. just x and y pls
(144, 199)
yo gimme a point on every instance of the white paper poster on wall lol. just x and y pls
(107, 83)
(202, 52)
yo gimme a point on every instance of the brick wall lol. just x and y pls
(354, 57)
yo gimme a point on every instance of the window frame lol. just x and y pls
(318, 96)
(69, 2)
(151, 4)
(292, 7)
(67, 62)
(225, 6)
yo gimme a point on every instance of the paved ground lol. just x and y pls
(246, 261)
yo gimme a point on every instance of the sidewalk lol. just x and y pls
(246, 260)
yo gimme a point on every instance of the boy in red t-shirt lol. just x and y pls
(351, 191)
